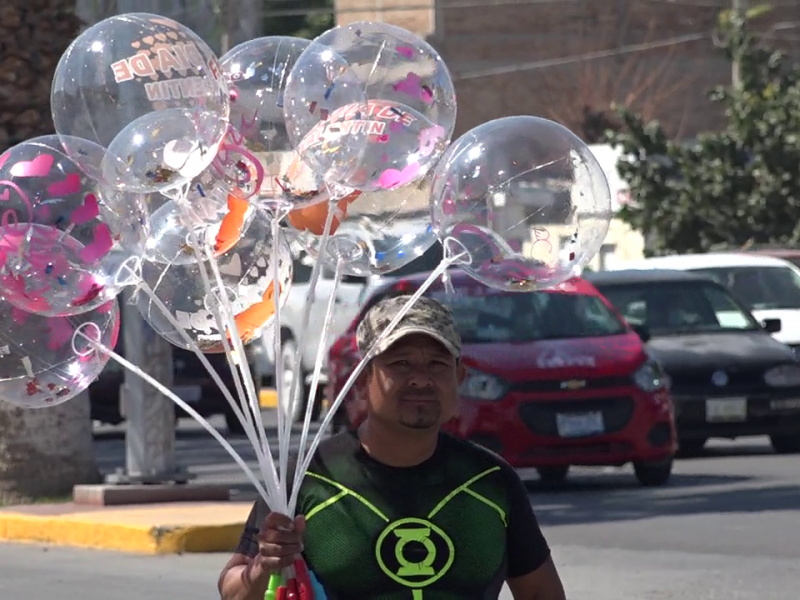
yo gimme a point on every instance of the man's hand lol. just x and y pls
(279, 543)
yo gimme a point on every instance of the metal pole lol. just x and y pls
(150, 436)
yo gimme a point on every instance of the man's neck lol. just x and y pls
(397, 448)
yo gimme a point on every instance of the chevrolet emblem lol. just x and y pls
(573, 384)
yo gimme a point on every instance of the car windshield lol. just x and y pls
(761, 288)
(487, 316)
(666, 308)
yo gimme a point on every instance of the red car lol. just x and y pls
(555, 378)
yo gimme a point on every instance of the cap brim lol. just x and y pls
(402, 332)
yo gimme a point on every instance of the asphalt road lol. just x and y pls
(726, 528)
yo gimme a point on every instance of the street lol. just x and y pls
(726, 527)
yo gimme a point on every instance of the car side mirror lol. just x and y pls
(643, 332)
(771, 325)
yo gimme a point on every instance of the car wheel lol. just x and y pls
(691, 447)
(553, 474)
(653, 474)
(785, 444)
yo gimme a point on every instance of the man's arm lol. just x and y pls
(531, 572)
(238, 580)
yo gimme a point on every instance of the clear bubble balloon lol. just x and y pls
(151, 92)
(243, 249)
(372, 232)
(44, 362)
(394, 65)
(63, 237)
(257, 72)
(321, 83)
(526, 199)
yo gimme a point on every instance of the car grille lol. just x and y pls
(557, 385)
(540, 416)
(698, 381)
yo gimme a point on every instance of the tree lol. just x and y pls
(43, 452)
(581, 96)
(730, 188)
(299, 18)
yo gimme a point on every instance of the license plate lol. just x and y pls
(579, 424)
(726, 410)
(790, 404)
(190, 394)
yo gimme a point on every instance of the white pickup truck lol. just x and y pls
(349, 295)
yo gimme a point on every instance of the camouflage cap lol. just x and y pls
(426, 316)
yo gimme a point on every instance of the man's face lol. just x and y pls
(414, 383)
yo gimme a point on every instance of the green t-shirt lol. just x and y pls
(454, 527)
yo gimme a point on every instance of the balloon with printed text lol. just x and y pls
(149, 91)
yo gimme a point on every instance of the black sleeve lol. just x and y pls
(248, 543)
(526, 547)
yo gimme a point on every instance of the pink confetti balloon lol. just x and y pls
(42, 360)
(64, 240)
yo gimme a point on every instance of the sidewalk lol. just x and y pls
(173, 528)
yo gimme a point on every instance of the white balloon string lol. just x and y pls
(284, 436)
(448, 261)
(321, 349)
(200, 246)
(249, 429)
(181, 404)
(297, 375)
(244, 370)
(268, 471)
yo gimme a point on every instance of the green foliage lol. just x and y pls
(303, 20)
(729, 188)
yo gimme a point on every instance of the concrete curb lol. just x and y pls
(87, 531)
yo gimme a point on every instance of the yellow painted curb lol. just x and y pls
(268, 399)
(134, 538)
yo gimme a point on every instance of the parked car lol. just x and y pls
(191, 382)
(555, 378)
(791, 255)
(768, 286)
(729, 377)
(349, 294)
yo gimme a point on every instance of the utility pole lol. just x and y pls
(738, 9)
(150, 437)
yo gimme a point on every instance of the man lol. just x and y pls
(399, 509)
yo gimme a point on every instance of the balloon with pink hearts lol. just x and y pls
(397, 66)
(46, 361)
(402, 145)
(67, 244)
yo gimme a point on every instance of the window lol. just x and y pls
(761, 288)
(679, 307)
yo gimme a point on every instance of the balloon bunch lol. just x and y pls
(189, 178)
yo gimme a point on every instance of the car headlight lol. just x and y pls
(482, 386)
(783, 376)
(650, 377)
